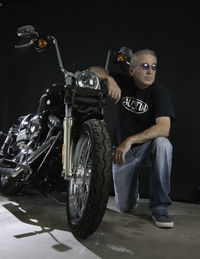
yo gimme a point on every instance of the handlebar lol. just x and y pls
(30, 43)
(33, 41)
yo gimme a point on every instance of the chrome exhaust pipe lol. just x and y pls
(13, 172)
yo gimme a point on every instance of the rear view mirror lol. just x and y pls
(26, 31)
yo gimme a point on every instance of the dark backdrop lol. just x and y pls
(84, 32)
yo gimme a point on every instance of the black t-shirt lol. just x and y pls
(138, 108)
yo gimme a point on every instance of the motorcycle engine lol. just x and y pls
(31, 130)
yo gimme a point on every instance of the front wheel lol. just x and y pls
(89, 188)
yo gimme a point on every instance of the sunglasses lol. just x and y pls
(146, 66)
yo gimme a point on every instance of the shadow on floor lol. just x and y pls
(34, 208)
(120, 235)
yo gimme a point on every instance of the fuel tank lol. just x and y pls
(53, 99)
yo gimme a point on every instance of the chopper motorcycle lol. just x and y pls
(65, 146)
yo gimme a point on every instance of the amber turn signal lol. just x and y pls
(42, 43)
(121, 58)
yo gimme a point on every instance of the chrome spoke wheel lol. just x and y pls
(80, 182)
(89, 187)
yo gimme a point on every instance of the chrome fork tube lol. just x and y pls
(67, 145)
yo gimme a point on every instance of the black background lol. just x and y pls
(85, 31)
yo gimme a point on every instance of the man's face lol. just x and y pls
(145, 70)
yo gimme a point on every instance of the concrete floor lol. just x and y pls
(35, 227)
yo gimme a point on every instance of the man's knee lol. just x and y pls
(162, 143)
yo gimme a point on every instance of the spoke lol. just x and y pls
(88, 149)
(80, 184)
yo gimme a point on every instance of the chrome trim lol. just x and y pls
(67, 141)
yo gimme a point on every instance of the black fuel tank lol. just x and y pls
(53, 99)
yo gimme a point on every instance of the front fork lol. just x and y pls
(67, 145)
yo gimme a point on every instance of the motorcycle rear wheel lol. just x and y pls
(89, 188)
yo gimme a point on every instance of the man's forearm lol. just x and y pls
(100, 72)
(161, 129)
(113, 89)
(146, 135)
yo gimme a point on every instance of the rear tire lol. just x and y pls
(89, 188)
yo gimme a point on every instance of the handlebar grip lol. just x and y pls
(24, 45)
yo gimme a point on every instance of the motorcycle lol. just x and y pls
(65, 146)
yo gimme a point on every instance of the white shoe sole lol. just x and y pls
(163, 224)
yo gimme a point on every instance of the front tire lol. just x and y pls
(89, 188)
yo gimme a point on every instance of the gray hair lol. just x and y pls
(133, 61)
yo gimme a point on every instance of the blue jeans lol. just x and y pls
(155, 154)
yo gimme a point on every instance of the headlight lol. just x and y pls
(87, 79)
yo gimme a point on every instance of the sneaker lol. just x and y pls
(162, 220)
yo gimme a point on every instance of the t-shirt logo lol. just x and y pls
(134, 105)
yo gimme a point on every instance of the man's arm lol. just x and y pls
(160, 129)
(113, 89)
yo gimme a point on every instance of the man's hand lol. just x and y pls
(160, 129)
(114, 92)
(120, 152)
